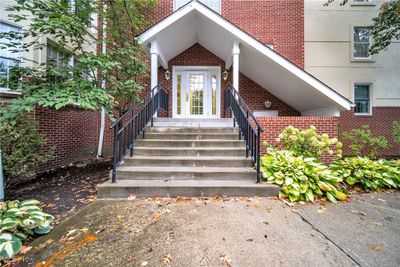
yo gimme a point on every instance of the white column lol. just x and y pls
(235, 66)
(154, 64)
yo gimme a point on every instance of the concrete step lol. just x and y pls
(185, 161)
(189, 143)
(192, 136)
(185, 188)
(185, 173)
(197, 130)
(175, 122)
(190, 151)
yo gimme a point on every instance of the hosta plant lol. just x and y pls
(308, 142)
(300, 178)
(370, 174)
(18, 221)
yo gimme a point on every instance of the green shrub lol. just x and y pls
(370, 174)
(363, 143)
(300, 178)
(308, 143)
(21, 147)
(18, 221)
(396, 132)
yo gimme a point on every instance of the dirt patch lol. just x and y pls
(65, 190)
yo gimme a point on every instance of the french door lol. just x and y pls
(196, 93)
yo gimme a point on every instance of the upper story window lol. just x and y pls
(56, 57)
(362, 98)
(213, 4)
(8, 58)
(361, 43)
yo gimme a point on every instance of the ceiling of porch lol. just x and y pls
(195, 23)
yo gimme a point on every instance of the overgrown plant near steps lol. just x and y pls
(370, 174)
(308, 142)
(18, 221)
(300, 178)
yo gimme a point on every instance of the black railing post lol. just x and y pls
(258, 154)
(152, 108)
(114, 171)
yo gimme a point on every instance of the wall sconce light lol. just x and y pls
(267, 104)
(167, 75)
(225, 75)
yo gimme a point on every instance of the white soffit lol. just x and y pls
(196, 23)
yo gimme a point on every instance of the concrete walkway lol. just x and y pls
(231, 232)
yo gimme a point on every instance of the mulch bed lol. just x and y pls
(66, 190)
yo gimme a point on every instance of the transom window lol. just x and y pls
(8, 58)
(362, 95)
(213, 4)
(361, 42)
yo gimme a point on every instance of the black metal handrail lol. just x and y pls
(249, 128)
(127, 129)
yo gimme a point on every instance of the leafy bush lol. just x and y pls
(18, 221)
(370, 174)
(21, 146)
(396, 132)
(308, 143)
(363, 143)
(301, 178)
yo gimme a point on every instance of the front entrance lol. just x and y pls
(196, 92)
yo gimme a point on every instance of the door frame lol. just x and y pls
(182, 70)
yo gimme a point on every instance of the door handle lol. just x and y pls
(187, 97)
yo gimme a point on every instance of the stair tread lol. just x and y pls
(187, 183)
(187, 148)
(190, 140)
(187, 157)
(174, 169)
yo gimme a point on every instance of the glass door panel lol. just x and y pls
(196, 93)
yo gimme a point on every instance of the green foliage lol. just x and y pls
(300, 178)
(363, 143)
(385, 27)
(396, 132)
(21, 146)
(308, 143)
(62, 84)
(18, 221)
(370, 174)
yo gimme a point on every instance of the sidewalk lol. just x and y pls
(234, 232)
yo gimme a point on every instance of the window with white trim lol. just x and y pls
(213, 4)
(362, 98)
(8, 58)
(361, 43)
(57, 57)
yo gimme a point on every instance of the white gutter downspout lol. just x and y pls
(103, 85)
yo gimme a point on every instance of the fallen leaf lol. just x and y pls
(250, 240)
(132, 258)
(131, 197)
(266, 223)
(321, 210)
(377, 223)
(167, 259)
(256, 206)
(358, 212)
(144, 263)
(25, 249)
(374, 247)
(157, 216)
(225, 260)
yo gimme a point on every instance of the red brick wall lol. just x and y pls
(71, 133)
(381, 123)
(275, 125)
(273, 22)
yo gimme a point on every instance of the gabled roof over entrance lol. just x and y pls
(196, 23)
